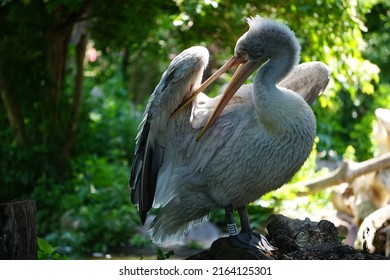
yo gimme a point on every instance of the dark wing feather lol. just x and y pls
(145, 166)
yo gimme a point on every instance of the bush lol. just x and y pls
(90, 210)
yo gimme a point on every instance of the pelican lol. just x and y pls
(227, 151)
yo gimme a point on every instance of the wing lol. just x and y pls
(145, 167)
(309, 80)
(183, 74)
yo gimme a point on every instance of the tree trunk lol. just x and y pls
(18, 237)
(13, 113)
(57, 51)
(77, 98)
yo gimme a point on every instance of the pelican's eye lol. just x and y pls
(242, 54)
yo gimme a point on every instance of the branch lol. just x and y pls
(346, 172)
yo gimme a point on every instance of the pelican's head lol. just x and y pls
(264, 40)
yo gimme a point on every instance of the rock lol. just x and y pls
(300, 234)
(222, 249)
(295, 240)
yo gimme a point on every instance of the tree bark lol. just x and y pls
(18, 238)
(57, 48)
(58, 37)
(77, 97)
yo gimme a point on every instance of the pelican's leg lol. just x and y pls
(247, 238)
(245, 225)
(230, 223)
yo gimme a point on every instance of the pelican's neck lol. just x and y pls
(269, 99)
(278, 66)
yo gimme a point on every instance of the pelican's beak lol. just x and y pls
(228, 64)
(242, 73)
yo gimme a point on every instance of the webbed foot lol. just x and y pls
(252, 241)
(246, 239)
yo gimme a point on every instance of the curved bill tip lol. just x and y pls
(245, 69)
(227, 65)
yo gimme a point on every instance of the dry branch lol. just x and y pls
(346, 173)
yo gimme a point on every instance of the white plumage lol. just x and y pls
(258, 142)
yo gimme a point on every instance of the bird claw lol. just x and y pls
(252, 241)
(263, 244)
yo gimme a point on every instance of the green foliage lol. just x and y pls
(94, 214)
(47, 252)
(194, 245)
(91, 210)
(377, 38)
(140, 241)
(164, 256)
(341, 238)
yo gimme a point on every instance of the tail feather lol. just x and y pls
(173, 221)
